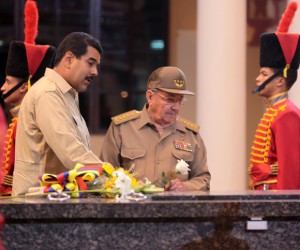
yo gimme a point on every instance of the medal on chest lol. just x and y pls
(181, 145)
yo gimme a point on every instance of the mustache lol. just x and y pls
(90, 78)
(172, 113)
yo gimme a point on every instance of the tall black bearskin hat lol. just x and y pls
(281, 50)
(28, 60)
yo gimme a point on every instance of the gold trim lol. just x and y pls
(275, 96)
(265, 182)
(258, 155)
(257, 149)
(190, 125)
(130, 115)
(261, 137)
(262, 131)
(259, 143)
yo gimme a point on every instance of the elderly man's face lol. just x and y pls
(164, 107)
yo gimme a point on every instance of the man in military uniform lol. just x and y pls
(275, 156)
(150, 142)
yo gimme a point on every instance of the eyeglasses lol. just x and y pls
(171, 99)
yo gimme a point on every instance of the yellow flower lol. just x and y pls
(108, 168)
(134, 182)
(110, 183)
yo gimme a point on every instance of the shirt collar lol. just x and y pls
(145, 120)
(15, 111)
(62, 84)
(273, 100)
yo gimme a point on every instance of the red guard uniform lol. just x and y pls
(7, 166)
(275, 156)
(27, 61)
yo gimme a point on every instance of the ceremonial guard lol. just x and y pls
(275, 156)
(26, 63)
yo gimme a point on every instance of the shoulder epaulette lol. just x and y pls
(130, 115)
(190, 125)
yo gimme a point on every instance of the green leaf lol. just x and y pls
(164, 179)
(152, 190)
(141, 187)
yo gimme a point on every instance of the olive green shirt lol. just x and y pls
(51, 135)
(133, 142)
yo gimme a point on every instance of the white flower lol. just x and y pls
(182, 167)
(147, 181)
(122, 182)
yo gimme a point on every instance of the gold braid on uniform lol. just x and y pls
(190, 125)
(262, 139)
(7, 150)
(130, 115)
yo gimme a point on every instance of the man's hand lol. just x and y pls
(263, 171)
(176, 185)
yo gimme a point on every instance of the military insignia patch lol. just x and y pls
(183, 146)
(179, 83)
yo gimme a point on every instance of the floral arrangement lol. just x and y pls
(104, 179)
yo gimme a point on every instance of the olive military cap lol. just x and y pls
(169, 79)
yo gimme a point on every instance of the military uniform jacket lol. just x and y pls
(8, 162)
(133, 142)
(275, 156)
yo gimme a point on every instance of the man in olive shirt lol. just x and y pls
(52, 135)
(151, 141)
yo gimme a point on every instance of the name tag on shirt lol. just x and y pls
(181, 145)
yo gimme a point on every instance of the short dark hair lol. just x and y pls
(77, 43)
(291, 78)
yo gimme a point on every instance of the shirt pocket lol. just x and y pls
(188, 157)
(134, 160)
